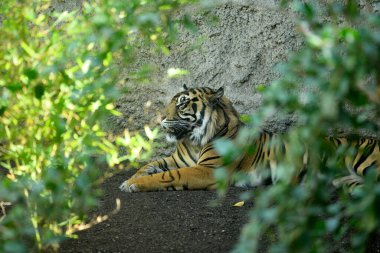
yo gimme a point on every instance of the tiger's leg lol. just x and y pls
(158, 166)
(190, 178)
(181, 158)
(351, 182)
(365, 159)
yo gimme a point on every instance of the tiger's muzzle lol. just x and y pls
(176, 128)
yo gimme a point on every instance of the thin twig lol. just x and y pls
(2, 207)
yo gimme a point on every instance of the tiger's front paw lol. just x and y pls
(129, 187)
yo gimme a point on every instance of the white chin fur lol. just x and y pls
(171, 138)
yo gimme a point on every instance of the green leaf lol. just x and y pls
(2, 110)
(14, 247)
(245, 118)
(31, 73)
(39, 90)
(14, 87)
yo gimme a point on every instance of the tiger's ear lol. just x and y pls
(219, 93)
(185, 87)
(216, 95)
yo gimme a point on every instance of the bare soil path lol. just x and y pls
(180, 221)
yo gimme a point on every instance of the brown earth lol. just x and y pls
(180, 221)
(173, 221)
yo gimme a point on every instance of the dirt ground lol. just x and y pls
(180, 221)
(174, 221)
(177, 221)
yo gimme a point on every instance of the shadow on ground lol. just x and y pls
(180, 221)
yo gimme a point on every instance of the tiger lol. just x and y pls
(194, 119)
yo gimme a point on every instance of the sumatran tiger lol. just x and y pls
(194, 119)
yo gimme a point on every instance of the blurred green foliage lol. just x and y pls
(332, 84)
(58, 82)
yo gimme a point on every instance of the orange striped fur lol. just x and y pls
(194, 119)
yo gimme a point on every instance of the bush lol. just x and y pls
(57, 85)
(332, 87)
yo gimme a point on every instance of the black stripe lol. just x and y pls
(258, 152)
(263, 151)
(235, 133)
(224, 129)
(370, 147)
(167, 181)
(194, 106)
(179, 151)
(208, 159)
(202, 113)
(367, 151)
(160, 165)
(357, 144)
(189, 153)
(166, 167)
(238, 167)
(210, 165)
(175, 162)
(206, 150)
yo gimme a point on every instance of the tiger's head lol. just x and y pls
(195, 114)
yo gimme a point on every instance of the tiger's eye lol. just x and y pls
(182, 106)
